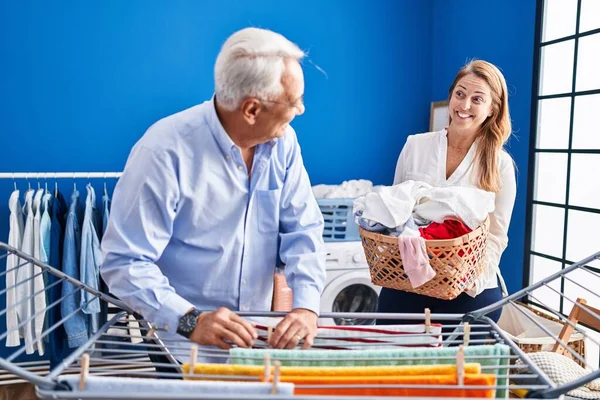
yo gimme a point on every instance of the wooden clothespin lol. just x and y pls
(151, 332)
(460, 365)
(193, 359)
(276, 375)
(466, 333)
(427, 320)
(85, 370)
(267, 370)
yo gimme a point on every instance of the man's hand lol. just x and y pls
(221, 328)
(297, 325)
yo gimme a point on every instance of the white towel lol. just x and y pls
(391, 206)
(471, 205)
(347, 189)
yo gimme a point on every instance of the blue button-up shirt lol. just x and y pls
(188, 227)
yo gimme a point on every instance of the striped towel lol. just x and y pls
(358, 337)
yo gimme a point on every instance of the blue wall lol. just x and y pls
(501, 32)
(82, 81)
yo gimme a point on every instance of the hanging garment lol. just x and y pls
(151, 387)
(415, 259)
(45, 227)
(15, 238)
(24, 288)
(90, 260)
(76, 325)
(39, 300)
(103, 286)
(57, 347)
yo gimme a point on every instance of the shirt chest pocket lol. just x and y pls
(267, 210)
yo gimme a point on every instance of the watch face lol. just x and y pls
(187, 323)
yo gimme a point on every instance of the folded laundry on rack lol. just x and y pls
(139, 386)
(373, 371)
(392, 206)
(352, 337)
(486, 385)
(495, 357)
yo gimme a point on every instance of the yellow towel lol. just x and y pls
(373, 371)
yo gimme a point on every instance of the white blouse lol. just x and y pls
(423, 158)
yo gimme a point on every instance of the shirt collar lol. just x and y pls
(221, 136)
(223, 140)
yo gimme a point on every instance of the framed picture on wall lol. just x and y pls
(438, 119)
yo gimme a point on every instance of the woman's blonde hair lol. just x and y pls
(496, 129)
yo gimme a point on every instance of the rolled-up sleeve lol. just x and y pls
(301, 231)
(140, 227)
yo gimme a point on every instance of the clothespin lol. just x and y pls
(193, 359)
(151, 332)
(466, 333)
(267, 364)
(85, 370)
(427, 320)
(276, 377)
(460, 365)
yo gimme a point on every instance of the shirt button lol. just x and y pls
(240, 167)
(227, 158)
(244, 308)
(244, 281)
(166, 327)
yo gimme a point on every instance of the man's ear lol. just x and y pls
(250, 108)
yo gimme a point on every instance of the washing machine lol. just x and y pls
(348, 286)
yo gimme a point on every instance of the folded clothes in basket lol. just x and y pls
(107, 385)
(242, 371)
(420, 382)
(358, 337)
(489, 356)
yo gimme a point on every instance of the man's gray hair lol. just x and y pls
(250, 64)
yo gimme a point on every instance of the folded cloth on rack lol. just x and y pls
(449, 229)
(358, 337)
(494, 357)
(419, 381)
(392, 206)
(140, 386)
(563, 370)
(374, 371)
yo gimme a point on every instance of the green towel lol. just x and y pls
(399, 356)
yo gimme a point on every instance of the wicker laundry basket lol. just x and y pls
(457, 262)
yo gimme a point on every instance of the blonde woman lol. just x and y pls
(469, 152)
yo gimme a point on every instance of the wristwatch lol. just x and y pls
(187, 323)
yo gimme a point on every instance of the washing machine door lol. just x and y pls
(351, 291)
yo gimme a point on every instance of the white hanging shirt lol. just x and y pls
(423, 158)
(39, 300)
(15, 237)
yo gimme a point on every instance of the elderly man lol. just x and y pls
(212, 196)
